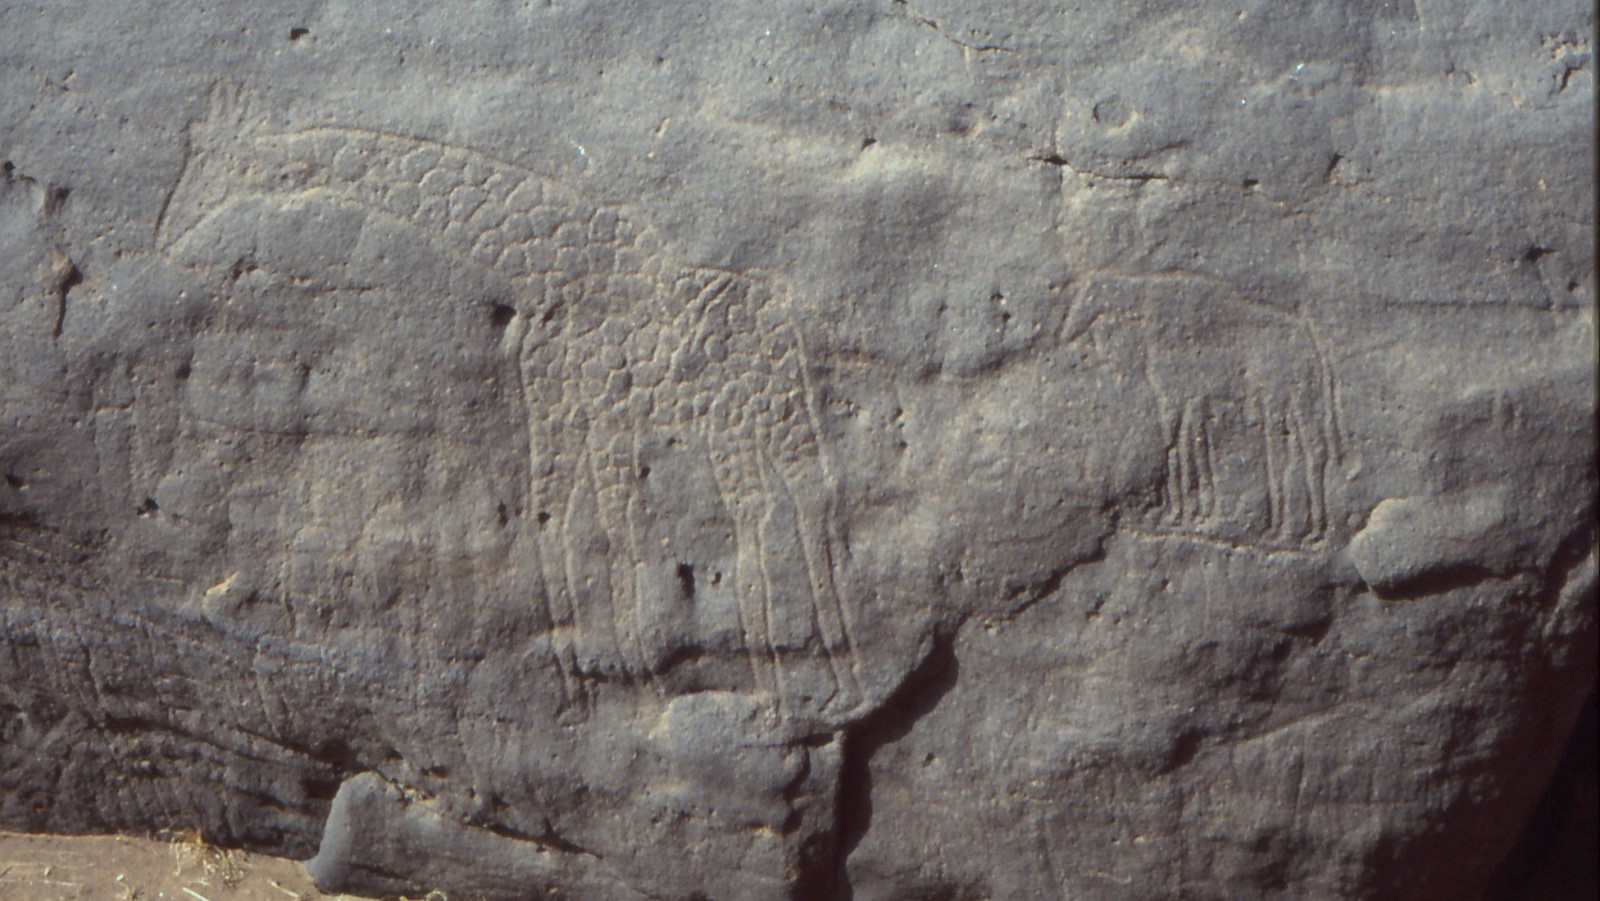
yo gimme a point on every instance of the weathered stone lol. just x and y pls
(900, 450)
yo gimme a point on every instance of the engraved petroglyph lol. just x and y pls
(613, 344)
(1246, 400)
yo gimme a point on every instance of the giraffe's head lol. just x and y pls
(220, 161)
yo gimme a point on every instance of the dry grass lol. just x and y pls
(191, 853)
(175, 866)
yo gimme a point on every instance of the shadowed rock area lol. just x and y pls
(872, 450)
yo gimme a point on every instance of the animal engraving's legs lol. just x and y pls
(588, 550)
(739, 481)
(1180, 470)
(1211, 510)
(618, 511)
(1189, 475)
(698, 389)
(1198, 504)
(817, 547)
(790, 429)
(1290, 466)
(1305, 416)
(1273, 433)
(1314, 462)
(1296, 457)
(550, 485)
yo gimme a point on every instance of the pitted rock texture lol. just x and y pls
(851, 450)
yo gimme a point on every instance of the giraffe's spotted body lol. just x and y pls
(613, 343)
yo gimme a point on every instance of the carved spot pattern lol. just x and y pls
(614, 342)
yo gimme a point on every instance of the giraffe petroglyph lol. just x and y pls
(612, 342)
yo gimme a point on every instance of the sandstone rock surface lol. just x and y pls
(875, 450)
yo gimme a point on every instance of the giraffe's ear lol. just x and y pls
(1088, 303)
(213, 155)
(198, 192)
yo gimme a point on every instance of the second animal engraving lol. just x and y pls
(1245, 399)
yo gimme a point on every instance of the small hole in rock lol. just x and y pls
(686, 579)
(182, 373)
(320, 788)
(14, 480)
(543, 517)
(296, 34)
(71, 278)
(501, 315)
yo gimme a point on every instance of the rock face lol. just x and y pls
(856, 450)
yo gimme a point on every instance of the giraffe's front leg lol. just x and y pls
(618, 507)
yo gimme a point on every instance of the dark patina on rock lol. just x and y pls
(889, 450)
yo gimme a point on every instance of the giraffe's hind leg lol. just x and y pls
(791, 428)
(735, 464)
(809, 508)
(804, 479)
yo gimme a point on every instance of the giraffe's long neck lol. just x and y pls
(490, 211)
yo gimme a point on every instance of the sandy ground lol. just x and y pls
(182, 868)
(116, 868)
